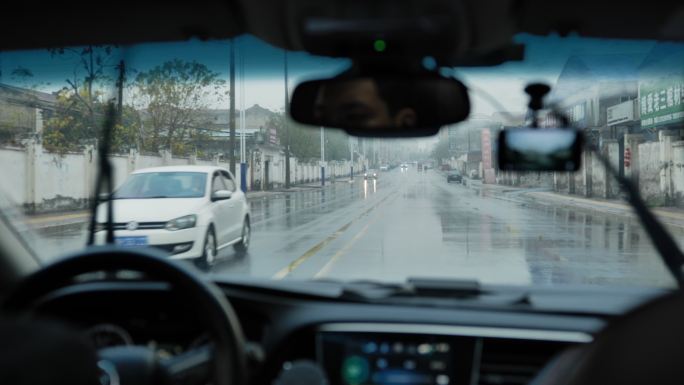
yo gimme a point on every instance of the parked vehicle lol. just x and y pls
(454, 177)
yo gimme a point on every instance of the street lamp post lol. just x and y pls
(231, 116)
(351, 158)
(322, 156)
(287, 127)
(243, 157)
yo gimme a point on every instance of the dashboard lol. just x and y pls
(354, 343)
(422, 354)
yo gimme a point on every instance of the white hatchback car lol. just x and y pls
(191, 212)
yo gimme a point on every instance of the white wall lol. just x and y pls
(45, 181)
(13, 163)
(59, 179)
(649, 171)
(678, 171)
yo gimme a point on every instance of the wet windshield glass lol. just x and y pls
(285, 201)
(163, 185)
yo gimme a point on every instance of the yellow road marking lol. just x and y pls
(284, 272)
(326, 269)
(309, 253)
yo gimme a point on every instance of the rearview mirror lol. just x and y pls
(221, 195)
(381, 106)
(551, 149)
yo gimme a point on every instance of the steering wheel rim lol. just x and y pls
(229, 359)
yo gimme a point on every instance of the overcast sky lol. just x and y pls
(263, 67)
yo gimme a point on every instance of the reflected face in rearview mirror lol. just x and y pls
(550, 149)
(361, 103)
(393, 106)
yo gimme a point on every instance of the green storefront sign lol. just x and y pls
(661, 102)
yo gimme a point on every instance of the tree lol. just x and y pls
(304, 141)
(336, 145)
(441, 150)
(68, 129)
(173, 95)
(81, 105)
(92, 64)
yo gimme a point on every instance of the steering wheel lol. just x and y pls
(643, 347)
(222, 361)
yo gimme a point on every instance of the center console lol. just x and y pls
(394, 358)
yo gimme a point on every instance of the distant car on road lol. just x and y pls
(370, 174)
(191, 212)
(454, 177)
(384, 167)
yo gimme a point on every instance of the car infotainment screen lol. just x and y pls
(395, 359)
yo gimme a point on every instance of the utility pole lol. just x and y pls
(120, 86)
(322, 156)
(286, 125)
(231, 139)
(243, 124)
(351, 158)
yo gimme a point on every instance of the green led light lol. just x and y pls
(379, 45)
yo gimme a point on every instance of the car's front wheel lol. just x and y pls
(242, 246)
(208, 258)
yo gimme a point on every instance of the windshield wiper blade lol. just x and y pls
(667, 247)
(104, 178)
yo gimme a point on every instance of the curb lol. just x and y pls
(80, 221)
(52, 229)
(604, 207)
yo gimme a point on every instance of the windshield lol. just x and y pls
(207, 118)
(163, 185)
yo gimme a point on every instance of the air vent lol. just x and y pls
(512, 362)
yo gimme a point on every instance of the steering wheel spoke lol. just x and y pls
(223, 362)
(192, 367)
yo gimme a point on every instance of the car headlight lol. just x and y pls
(365, 174)
(181, 223)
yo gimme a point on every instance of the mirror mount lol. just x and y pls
(537, 92)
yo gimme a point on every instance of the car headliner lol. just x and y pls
(490, 23)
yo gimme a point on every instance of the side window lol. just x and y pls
(217, 183)
(230, 183)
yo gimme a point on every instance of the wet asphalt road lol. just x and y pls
(410, 224)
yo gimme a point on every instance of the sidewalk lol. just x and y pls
(76, 220)
(673, 216)
(670, 215)
(58, 222)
